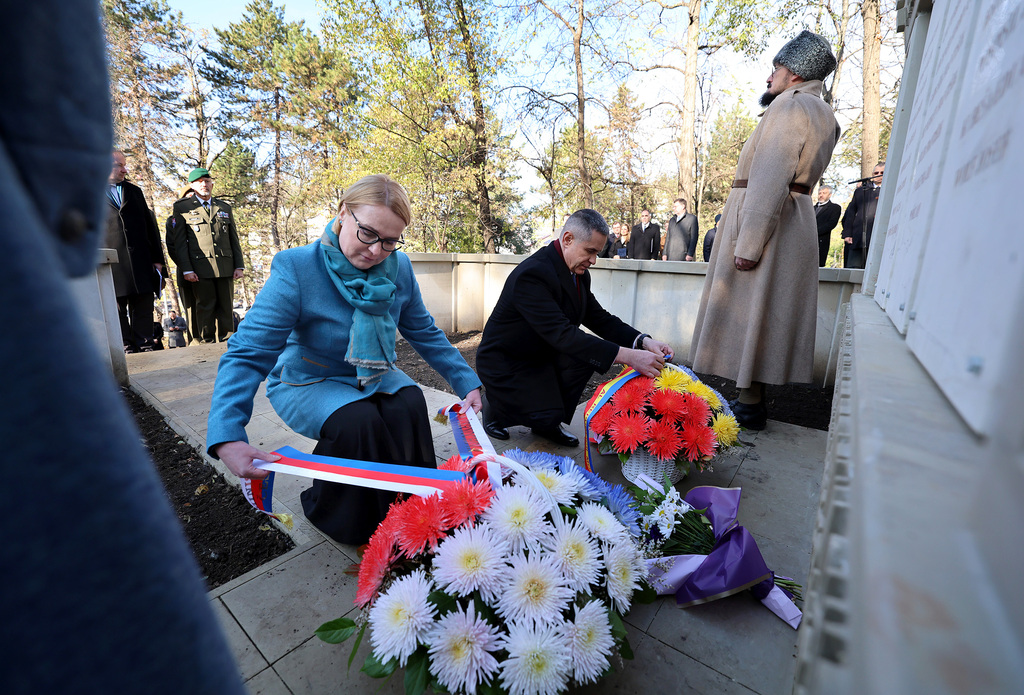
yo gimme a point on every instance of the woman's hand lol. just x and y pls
(238, 457)
(474, 401)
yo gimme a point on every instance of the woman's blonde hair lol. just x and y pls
(377, 189)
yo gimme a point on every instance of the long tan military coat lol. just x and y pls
(204, 243)
(758, 325)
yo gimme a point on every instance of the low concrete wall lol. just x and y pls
(98, 307)
(658, 297)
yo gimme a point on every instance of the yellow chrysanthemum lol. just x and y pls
(706, 392)
(674, 379)
(726, 429)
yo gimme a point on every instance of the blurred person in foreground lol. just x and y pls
(102, 593)
(322, 333)
(758, 309)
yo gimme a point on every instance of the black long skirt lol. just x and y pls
(384, 428)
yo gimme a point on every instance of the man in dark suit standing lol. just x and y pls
(859, 219)
(645, 241)
(132, 232)
(826, 213)
(612, 246)
(683, 230)
(533, 359)
(204, 240)
(709, 239)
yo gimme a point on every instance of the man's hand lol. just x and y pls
(689, 258)
(646, 362)
(664, 257)
(190, 276)
(848, 239)
(744, 264)
(237, 275)
(474, 401)
(657, 347)
(238, 457)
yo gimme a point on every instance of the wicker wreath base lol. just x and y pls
(642, 461)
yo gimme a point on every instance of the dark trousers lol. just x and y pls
(854, 258)
(135, 312)
(187, 297)
(213, 321)
(540, 396)
(823, 244)
(384, 428)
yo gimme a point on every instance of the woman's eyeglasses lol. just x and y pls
(370, 237)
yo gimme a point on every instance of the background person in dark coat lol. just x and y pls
(612, 246)
(533, 359)
(207, 251)
(826, 214)
(859, 218)
(709, 239)
(132, 232)
(683, 230)
(645, 240)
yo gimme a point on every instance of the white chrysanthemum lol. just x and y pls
(534, 590)
(400, 617)
(665, 518)
(517, 516)
(599, 520)
(460, 646)
(471, 559)
(576, 554)
(590, 637)
(624, 567)
(539, 660)
(561, 487)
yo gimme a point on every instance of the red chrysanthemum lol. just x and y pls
(455, 463)
(420, 524)
(632, 396)
(628, 431)
(664, 440)
(465, 501)
(602, 419)
(697, 411)
(668, 405)
(376, 563)
(699, 441)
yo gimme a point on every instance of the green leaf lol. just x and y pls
(618, 628)
(443, 602)
(336, 631)
(374, 668)
(416, 673)
(625, 651)
(355, 647)
(491, 687)
(645, 595)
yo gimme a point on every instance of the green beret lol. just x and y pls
(197, 174)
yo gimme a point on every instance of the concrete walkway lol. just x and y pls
(734, 645)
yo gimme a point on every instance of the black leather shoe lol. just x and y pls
(752, 416)
(557, 435)
(495, 431)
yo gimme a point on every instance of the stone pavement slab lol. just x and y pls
(734, 645)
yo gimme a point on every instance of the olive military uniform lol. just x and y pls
(204, 241)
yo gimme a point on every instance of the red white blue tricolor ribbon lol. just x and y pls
(603, 394)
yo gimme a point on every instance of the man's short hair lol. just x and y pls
(682, 201)
(826, 187)
(584, 223)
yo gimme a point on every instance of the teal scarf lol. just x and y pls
(371, 341)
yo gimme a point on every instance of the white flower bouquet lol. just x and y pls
(515, 590)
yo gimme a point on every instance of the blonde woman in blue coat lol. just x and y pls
(322, 333)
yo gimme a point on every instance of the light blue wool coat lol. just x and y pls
(295, 336)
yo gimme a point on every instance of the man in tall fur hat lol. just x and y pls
(757, 313)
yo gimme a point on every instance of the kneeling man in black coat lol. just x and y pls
(534, 360)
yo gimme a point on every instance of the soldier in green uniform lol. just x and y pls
(203, 239)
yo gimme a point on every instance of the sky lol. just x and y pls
(742, 78)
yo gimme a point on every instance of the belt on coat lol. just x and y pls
(795, 187)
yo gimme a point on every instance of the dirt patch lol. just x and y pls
(798, 405)
(228, 537)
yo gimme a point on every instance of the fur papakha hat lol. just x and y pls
(809, 55)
